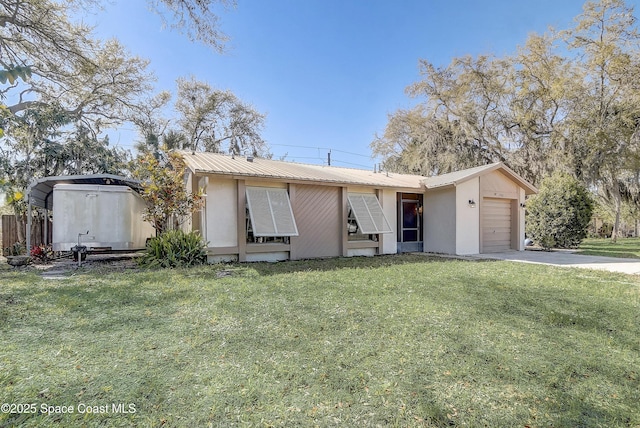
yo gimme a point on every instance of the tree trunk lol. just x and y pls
(617, 199)
(20, 227)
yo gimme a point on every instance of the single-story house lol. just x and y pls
(267, 210)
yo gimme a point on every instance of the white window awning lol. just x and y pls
(270, 212)
(368, 213)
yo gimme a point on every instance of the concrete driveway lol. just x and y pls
(568, 259)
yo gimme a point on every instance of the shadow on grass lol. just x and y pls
(628, 248)
(89, 296)
(31, 276)
(606, 253)
(338, 263)
(570, 371)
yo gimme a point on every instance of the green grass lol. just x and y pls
(628, 248)
(386, 341)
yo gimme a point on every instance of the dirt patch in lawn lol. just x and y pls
(64, 267)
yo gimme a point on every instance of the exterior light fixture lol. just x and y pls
(472, 203)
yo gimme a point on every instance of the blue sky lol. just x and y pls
(326, 72)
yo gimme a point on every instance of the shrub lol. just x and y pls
(559, 215)
(42, 253)
(164, 191)
(16, 249)
(174, 248)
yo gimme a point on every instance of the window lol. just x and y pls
(354, 233)
(269, 215)
(365, 209)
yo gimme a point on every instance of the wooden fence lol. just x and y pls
(10, 232)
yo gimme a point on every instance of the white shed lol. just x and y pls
(106, 205)
(101, 217)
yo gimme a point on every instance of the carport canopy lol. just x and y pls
(40, 192)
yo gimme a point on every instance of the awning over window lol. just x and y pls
(368, 213)
(270, 212)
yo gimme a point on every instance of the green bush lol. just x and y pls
(559, 215)
(16, 249)
(174, 248)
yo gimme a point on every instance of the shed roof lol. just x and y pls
(41, 190)
(215, 163)
(458, 177)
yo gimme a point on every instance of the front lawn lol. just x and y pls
(385, 341)
(624, 248)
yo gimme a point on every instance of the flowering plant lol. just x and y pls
(41, 253)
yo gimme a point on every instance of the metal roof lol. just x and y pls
(239, 166)
(455, 178)
(40, 191)
(215, 163)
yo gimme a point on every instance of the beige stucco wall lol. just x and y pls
(497, 185)
(440, 221)
(187, 225)
(390, 210)
(221, 213)
(521, 213)
(359, 252)
(468, 218)
(230, 258)
(277, 256)
(200, 217)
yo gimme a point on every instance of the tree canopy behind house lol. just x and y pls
(567, 100)
(205, 119)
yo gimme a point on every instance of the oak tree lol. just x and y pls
(565, 101)
(215, 120)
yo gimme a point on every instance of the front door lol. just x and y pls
(409, 223)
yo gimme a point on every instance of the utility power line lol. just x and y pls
(321, 148)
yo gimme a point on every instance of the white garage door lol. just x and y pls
(496, 225)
